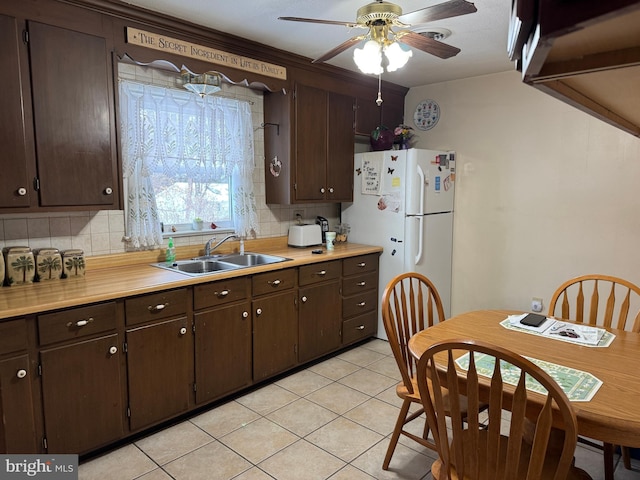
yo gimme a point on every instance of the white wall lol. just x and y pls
(544, 192)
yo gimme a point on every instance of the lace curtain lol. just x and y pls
(172, 131)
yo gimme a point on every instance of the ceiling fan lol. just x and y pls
(381, 17)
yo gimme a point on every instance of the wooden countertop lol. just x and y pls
(108, 278)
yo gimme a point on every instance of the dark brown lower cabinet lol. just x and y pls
(81, 395)
(18, 430)
(160, 371)
(320, 320)
(222, 351)
(275, 334)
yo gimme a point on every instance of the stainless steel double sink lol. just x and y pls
(212, 264)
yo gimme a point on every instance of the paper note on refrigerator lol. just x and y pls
(371, 168)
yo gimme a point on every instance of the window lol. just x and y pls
(185, 157)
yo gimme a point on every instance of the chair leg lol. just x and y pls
(626, 457)
(608, 461)
(402, 416)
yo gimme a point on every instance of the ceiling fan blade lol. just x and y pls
(452, 8)
(426, 44)
(339, 49)
(315, 20)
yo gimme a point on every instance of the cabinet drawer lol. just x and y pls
(361, 283)
(361, 264)
(360, 327)
(271, 282)
(218, 293)
(13, 336)
(156, 306)
(319, 272)
(77, 322)
(359, 304)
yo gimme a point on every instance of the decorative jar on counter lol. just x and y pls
(48, 264)
(73, 261)
(20, 265)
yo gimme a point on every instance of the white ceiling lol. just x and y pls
(482, 36)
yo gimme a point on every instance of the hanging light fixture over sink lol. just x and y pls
(203, 84)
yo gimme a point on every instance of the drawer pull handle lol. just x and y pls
(113, 350)
(275, 283)
(223, 293)
(362, 304)
(321, 272)
(183, 331)
(362, 264)
(80, 323)
(157, 308)
(258, 311)
(304, 299)
(361, 327)
(245, 314)
(21, 373)
(361, 284)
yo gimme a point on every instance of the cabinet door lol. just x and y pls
(319, 320)
(310, 143)
(368, 115)
(82, 395)
(159, 367)
(73, 117)
(17, 161)
(18, 431)
(223, 351)
(275, 334)
(340, 148)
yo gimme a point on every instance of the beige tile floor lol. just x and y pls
(330, 421)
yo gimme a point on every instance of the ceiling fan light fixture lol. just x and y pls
(369, 58)
(396, 55)
(204, 84)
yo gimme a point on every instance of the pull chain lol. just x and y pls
(379, 99)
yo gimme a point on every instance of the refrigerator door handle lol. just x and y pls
(420, 214)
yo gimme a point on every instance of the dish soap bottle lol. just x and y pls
(170, 254)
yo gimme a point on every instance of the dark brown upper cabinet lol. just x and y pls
(309, 146)
(57, 118)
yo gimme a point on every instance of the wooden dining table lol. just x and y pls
(612, 415)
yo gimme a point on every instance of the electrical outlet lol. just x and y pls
(536, 304)
(298, 214)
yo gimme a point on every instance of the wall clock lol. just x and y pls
(426, 114)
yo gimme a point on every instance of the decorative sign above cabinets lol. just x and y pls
(187, 49)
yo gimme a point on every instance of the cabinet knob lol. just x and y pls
(21, 373)
(321, 273)
(322, 190)
(361, 327)
(108, 191)
(223, 293)
(275, 283)
(22, 191)
(362, 304)
(330, 189)
(258, 311)
(113, 350)
(304, 299)
(361, 284)
(245, 314)
(183, 330)
(362, 264)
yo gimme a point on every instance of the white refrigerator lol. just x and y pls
(403, 202)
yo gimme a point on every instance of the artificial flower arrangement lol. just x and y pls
(404, 136)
